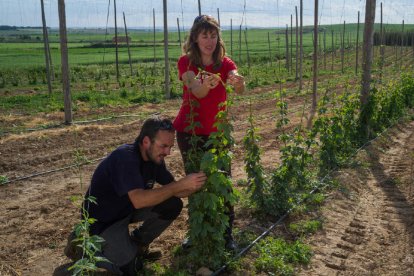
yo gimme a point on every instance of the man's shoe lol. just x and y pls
(231, 245)
(72, 250)
(150, 255)
(186, 244)
(133, 267)
(143, 249)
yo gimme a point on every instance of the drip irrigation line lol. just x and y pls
(2, 133)
(74, 123)
(108, 118)
(247, 248)
(282, 218)
(52, 171)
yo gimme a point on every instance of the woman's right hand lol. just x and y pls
(200, 87)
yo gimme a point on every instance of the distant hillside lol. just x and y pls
(7, 27)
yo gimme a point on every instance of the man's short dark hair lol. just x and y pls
(151, 127)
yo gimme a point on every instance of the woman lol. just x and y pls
(204, 69)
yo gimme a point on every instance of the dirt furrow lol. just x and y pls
(375, 236)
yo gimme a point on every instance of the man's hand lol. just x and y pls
(191, 184)
(184, 187)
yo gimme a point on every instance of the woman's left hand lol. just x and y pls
(237, 81)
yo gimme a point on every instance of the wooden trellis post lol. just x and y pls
(127, 41)
(333, 51)
(382, 47)
(46, 46)
(297, 43)
(231, 37)
(357, 47)
(315, 67)
(270, 52)
(367, 63)
(153, 41)
(287, 47)
(179, 32)
(367, 52)
(167, 64)
(240, 38)
(343, 49)
(247, 48)
(291, 43)
(412, 44)
(116, 44)
(64, 61)
(402, 44)
(324, 50)
(301, 46)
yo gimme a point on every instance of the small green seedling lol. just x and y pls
(4, 180)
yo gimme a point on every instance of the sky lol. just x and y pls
(138, 13)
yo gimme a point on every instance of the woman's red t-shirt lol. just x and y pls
(205, 109)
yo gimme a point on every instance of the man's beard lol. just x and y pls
(152, 157)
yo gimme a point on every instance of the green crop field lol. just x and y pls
(23, 48)
(92, 63)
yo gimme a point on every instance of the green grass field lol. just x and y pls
(16, 52)
(23, 82)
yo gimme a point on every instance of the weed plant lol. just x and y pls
(3, 179)
(278, 256)
(90, 245)
(305, 227)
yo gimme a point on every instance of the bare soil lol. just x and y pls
(368, 225)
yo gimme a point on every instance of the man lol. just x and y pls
(123, 187)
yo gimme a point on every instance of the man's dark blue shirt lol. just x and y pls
(120, 172)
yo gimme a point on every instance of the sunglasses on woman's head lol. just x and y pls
(200, 18)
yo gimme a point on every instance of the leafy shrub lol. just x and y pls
(278, 256)
(15, 80)
(305, 227)
(83, 97)
(123, 94)
(337, 129)
(2, 81)
(3, 179)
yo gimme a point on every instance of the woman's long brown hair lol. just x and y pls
(204, 23)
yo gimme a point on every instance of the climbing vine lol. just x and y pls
(292, 178)
(255, 173)
(207, 208)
